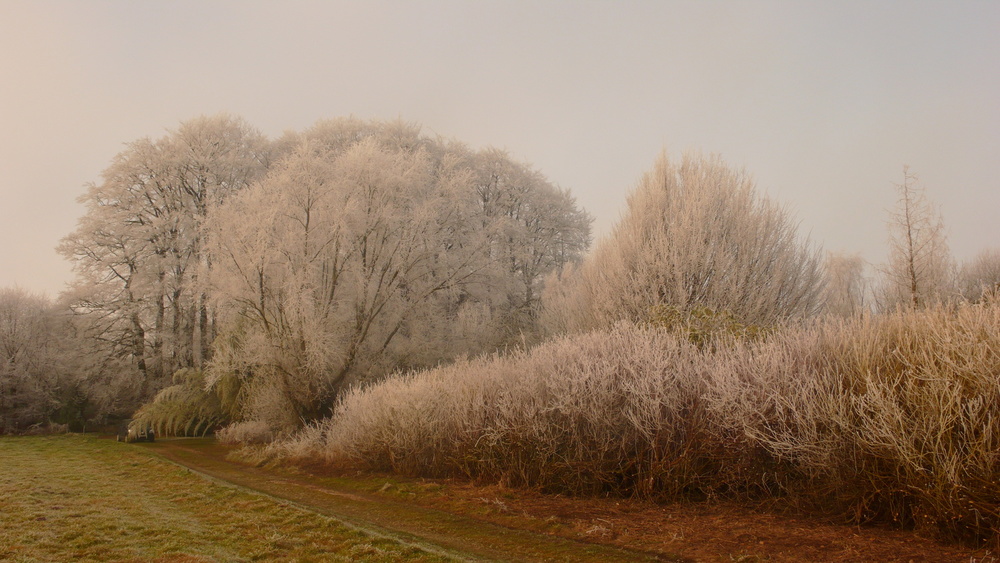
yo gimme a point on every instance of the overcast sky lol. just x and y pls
(822, 102)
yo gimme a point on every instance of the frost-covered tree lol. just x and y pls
(920, 270)
(324, 261)
(330, 255)
(34, 369)
(537, 228)
(695, 234)
(369, 247)
(138, 250)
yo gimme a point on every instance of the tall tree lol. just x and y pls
(138, 250)
(920, 268)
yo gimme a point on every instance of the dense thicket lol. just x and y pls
(892, 418)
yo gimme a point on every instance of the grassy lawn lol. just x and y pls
(79, 498)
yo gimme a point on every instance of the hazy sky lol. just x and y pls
(823, 102)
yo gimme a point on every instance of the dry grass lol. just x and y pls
(892, 418)
(74, 498)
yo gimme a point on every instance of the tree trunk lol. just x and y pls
(139, 353)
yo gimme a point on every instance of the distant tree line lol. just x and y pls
(257, 278)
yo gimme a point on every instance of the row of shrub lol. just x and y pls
(889, 418)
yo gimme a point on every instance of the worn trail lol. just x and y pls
(456, 536)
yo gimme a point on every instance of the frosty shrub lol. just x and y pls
(246, 432)
(877, 418)
(892, 418)
(616, 410)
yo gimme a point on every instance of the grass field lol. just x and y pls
(79, 498)
(75, 498)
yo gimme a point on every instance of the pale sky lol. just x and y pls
(823, 102)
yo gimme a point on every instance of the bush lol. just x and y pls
(246, 432)
(562, 417)
(891, 418)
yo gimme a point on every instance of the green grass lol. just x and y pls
(76, 498)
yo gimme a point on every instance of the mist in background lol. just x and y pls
(822, 102)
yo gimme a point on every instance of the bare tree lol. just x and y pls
(696, 234)
(920, 268)
(846, 288)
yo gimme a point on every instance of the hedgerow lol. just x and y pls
(889, 418)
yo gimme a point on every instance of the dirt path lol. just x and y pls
(458, 536)
(493, 523)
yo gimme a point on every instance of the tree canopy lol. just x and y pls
(288, 269)
(696, 233)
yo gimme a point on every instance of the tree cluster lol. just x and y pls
(139, 251)
(45, 367)
(288, 269)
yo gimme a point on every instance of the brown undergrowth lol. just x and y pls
(889, 419)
